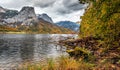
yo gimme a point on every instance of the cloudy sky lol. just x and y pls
(58, 10)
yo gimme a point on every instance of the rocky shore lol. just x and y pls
(92, 50)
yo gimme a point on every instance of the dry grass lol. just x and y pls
(62, 63)
(66, 63)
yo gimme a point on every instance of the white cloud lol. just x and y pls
(14, 4)
(75, 16)
(43, 4)
(57, 9)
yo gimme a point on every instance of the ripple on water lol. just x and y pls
(17, 48)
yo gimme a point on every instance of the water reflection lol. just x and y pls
(15, 49)
(26, 47)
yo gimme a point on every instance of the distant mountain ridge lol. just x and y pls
(70, 25)
(27, 20)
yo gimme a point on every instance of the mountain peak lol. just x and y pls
(26, 14)
(27, 8)
(44, 14)
(27, 11)
(45, 17)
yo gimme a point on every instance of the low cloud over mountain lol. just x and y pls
(57, 9)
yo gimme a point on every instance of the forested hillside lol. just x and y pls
(101, 19)
(99, 35)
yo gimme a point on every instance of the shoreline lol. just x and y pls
(13, 33)
(31, 33)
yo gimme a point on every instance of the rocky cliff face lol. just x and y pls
(6, 13)
(25, 16)
(45, 17)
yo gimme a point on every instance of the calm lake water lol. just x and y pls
(18, 48)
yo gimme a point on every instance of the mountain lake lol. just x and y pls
(19, 48)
